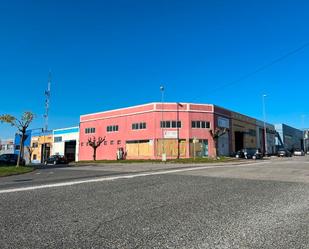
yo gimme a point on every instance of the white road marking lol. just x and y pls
(112, 178)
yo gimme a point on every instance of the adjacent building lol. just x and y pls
(41, 146)
(27, 145)
(291, 138)
(66, 142)
(6, 146)
(174, 129)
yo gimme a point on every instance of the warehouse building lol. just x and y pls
(291, 137)
(174, 129)
(66, 142)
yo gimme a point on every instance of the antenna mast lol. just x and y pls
(47, 100)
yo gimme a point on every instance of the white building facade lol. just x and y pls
(66, 143)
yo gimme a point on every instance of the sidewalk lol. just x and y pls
(145, 167)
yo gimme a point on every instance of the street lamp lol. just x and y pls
(264, 117)
(162, 123)
(178, 126)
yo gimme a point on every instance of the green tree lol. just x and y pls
(22, 125)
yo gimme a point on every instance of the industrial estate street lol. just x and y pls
(247, 204)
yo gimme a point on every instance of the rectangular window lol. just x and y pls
(57, 139)
(119, 142)
(111, 142)
(89, 130)
(139, 126)
(34, 157)
(34, 145)
(105, 142)
(200, 124)
(170, 124)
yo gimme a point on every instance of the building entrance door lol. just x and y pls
(70, 150)
(239, 140)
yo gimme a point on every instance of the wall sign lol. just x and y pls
(170, 134)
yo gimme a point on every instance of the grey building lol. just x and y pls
(6, 146)
(291, 137)
(260, 137)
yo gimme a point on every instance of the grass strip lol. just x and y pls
(13, 170)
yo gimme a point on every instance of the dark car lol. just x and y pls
(56, 159)
(249, 153)
(10, 159)
(284, 153)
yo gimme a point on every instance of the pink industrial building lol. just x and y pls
(145, 131)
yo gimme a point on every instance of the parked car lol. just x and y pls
(249, 153)
(10, 159)
(55, 159)
(299, 152)
(284, 153)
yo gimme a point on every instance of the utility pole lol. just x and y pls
(162, 122)
(304, 132)
(264, 117)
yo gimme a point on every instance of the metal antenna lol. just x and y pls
(47, 100)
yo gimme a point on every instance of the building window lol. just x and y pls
(170, 124)
(34, 157)
(57, 139)
(112, 128)
(139, 126)
(35, 145)
(119, 142)
(111, 142)
(200, 124)
(81, 144)
(105, 142)
(89, 130)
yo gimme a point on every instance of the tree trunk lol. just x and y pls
(94, 153)
(21, 148)
(215, 148)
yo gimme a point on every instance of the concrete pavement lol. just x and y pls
(223, 207)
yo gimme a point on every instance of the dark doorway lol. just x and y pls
(239, 140)
(45, 152)
(70, 150)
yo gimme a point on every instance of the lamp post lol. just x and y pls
(162, 124)
(177, 125)
(264, 117)
(304, 132)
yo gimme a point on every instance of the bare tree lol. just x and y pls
(218, 132)
(22, 125)
(95, 144)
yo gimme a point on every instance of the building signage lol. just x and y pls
(170, 134)
(223, 122)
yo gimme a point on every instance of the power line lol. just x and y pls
(263, 67)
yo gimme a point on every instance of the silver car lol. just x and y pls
(298, 152)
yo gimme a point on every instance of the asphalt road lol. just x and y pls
(263, 205)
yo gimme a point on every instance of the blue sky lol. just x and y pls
(112, 54)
